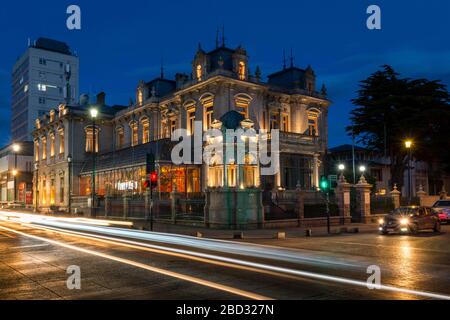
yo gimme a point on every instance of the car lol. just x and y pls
(442, 209)
(410, 219)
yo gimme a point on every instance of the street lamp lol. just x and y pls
(341, 168)
(16, 148)
(36, 187)
(362, 169)
(94, 113)
(69, 203)
(408, 146)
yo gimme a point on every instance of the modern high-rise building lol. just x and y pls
(43, 77)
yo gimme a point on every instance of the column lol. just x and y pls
(395, 194)
(363, 205)
(316, 164)
(343, 199)
(126, 205)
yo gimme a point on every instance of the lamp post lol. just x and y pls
(408, 145)
(16, 149)
(36, 187)
(362, 169)
(69, 199)
(94, 113)
(341, 168)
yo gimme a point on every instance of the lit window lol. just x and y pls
(44, 148)
(312, 124)
(42, 87)
(145, 131)
(274, 121)
(191, 121)
(90, 140)
(61, 190)
(25, 88)
(173, 125)
(199, 73)
(36, 151)
(120, 138)
(61, 141)
(242, 104)
(134, 134)
(52, 145)
(242, 70)
(208, 117)
(231, 176)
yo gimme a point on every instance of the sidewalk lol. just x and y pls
(256, 233)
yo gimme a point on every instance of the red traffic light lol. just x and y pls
(154, 177)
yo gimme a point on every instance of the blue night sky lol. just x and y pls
(122, 42)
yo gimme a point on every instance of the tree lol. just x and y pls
(390, 109)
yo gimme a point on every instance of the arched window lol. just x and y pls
(90, 139)
(145, 130)
(134, 133)
(120, 138)
(199, 72)
(241, 71)
(242, 103)
(313, 129)
(208, 111)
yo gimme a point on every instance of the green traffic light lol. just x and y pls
(324, 184)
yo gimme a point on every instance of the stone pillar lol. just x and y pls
(363, 198)
(395, 194)
(343, 199)
(316, 177)
(126, 205)
(107, 205)
(421, 194)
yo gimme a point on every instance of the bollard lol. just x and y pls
(238, 235)
(199, 234)
(308, 232)
(280, 235)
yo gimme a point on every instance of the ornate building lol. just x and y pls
(220, 82)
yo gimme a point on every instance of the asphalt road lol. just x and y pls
(119, 263)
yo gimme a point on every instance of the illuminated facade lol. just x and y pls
(220, 82)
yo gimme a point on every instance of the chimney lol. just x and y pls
(101, 98)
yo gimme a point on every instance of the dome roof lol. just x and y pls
(232, 119)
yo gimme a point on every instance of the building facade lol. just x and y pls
(16, 175)
(220, 87)
(43, 77)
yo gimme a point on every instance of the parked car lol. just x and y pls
(442, 209)
(411, 219)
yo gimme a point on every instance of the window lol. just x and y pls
(312, 124)
(61, 141)
(242, 70)
(173, 125)
(242, 104)
(90, 140)
(25, 88)
(231, 176)
(52, 191)
(41, 100)
(36, 151)
(274, 121)
(285, 123)
(191, 121)
(199, 72)
(52, 144)
(44, 148)
(208, 105)
(145, 131)
(42, 87)
(134, 134)
(120, 138)
(42, 61)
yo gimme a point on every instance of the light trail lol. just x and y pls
(172, 274)
(228, 247)
(236, 263)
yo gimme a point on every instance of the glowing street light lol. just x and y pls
(362, 169)
(16, 147)
(93, 112)
(408, 145)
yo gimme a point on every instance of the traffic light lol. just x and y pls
(150, 163)
(324, 184)
(154, 179)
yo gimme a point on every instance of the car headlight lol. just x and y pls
(381, 221)
(404, 221)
